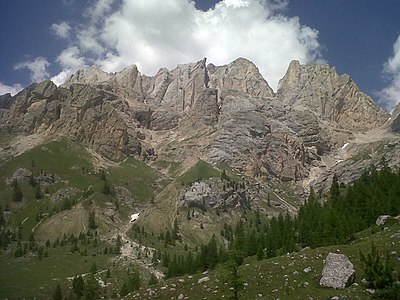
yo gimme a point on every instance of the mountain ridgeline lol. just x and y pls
(231, 111)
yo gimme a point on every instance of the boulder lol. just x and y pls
(203, 280)
(21, 174)
(338, 271)
(381, 220)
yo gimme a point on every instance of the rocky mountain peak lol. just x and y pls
(335, 98)
(93, 75)
(240, 76)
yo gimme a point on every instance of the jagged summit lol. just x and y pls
(229, 111)
(332, 97)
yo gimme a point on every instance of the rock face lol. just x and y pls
(240, 76)
(338, 272)
(332, 97)
(213, 193)
(222, 114)
(381, 220)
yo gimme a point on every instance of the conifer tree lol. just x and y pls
(78, 286)
(57, 293)
(92, 220)
(16, 195)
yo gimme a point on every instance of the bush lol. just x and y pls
(381, 274)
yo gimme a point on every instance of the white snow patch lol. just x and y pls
(338, 161)
(134, 217)
(344, 146)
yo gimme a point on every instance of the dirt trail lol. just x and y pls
(130, 251)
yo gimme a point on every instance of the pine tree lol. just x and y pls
(132, 284)
(335, 189)
(2, 218)
(175, 230)
(57, 293)
(103, 175)
(38, 192)
(92, 221)
(152, 280)
(91, 289)
(16, 195)
(234, 279)
(78, 285)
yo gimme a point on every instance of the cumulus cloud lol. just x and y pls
(61, 30)
(12, 89)
(37, 68)
(390, 95)
(154, 34)
(99, 9)
(70, 61)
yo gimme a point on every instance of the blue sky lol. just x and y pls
(52, 38)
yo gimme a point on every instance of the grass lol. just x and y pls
(283, 277)
(171, 166)
(201, 170)
(71, 163)
(48, 158)
(31, 277)
(137, 177)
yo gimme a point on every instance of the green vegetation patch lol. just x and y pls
(138, 177)
(200, 171)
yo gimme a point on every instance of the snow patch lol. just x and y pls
(344, 146)
(134, 217)
(338, 161)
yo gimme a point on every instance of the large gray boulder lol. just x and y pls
(381, 220)
(338, 272)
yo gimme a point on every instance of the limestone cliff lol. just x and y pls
(223, 114)
(331, 97)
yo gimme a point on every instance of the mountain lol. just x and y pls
(230, 111)
(194, 147)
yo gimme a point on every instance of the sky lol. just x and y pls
(51, 39)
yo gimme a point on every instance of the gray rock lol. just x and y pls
(332, 97)
(20, 174)
(181, 296)
(203, 280)
(381, 220)
(338, 271)
(64, 193)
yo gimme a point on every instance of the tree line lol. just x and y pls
(345, 210)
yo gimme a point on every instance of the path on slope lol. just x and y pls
(130, 250)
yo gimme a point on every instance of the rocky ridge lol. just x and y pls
(222, 114)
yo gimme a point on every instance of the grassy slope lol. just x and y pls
(276, 278)
(66, 160)
(165, 209)
(28, 276)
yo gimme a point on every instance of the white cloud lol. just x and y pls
(70, 61)
(390, 96)
(154, 34)
(99, 9)
(37, 67)
(70, 58)
(88, 41)
(12, 89)
(392, 66)
(61, 30)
